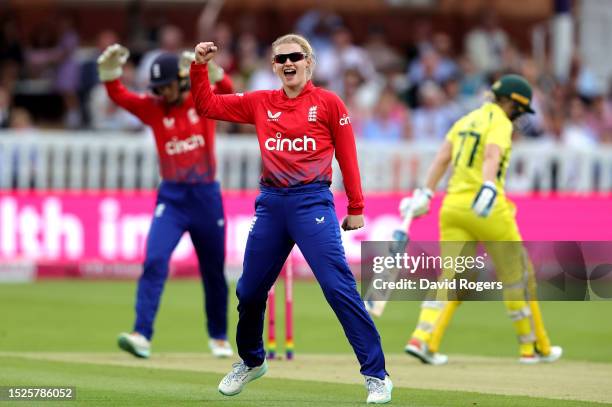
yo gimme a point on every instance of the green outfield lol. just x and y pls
(63, 333)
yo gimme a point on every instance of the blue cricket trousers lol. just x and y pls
(304, 215)
(197, 209)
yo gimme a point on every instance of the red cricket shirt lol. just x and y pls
(185, 140)
(297, 136)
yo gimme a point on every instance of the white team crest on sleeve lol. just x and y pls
(273, 117)
(312, 114)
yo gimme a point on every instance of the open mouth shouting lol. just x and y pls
(289, 73)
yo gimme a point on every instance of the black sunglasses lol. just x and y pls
(293, 57)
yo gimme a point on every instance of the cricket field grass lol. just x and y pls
(63, 333)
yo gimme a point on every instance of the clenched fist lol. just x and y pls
(204, 52)
(352, 222)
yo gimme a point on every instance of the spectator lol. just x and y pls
(430, 66)
(390, 120)
(553, 125)
(318, 24)
(89, 74)
(583, 80)
(444, 47)
(11, 50)
(354, 100)
(106, 115)
(600, 119)
(455, 106)
(383, 56)
(247, 55)
(68, 72)
(59, 62)
(511, 59)
(20, 120)
(5, 105)
(485, 45)
(343, 55)
(224, 38)
(427, 67)
(532, 125)
(421, 39)
(577, 134)
(263, 78)
(138, 34)
(431, 120)
(472, 82)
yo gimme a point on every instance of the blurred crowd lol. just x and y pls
(411, 93)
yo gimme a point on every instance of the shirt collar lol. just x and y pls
(307, 89)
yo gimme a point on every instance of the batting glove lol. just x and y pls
(110, 63)
(418, 203)
(485, 199)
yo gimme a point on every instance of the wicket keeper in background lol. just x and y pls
(188, 199)
(475, 209)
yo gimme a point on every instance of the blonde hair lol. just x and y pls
(302, 42)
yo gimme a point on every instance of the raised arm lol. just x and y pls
(110, 69)
(134, 103)
(235, 108)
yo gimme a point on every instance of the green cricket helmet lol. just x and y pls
(516, 88)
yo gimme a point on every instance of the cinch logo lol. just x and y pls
(273, 117)
(344, 120)
(286, 144)
(176, 146)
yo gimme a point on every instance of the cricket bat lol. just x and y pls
(375, 301)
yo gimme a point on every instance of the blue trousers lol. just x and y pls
(304, 215)
(197, 209)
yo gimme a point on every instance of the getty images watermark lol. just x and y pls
(575, 271)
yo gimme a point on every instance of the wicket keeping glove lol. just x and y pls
(485, 199)
(215, 72)
(110, 63)
(418, 203)
(185, 60)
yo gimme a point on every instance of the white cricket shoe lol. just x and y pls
(419, 350)
(555, 354)
(220, 348)
(379, 391)
(241, 374)
(135, 343)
